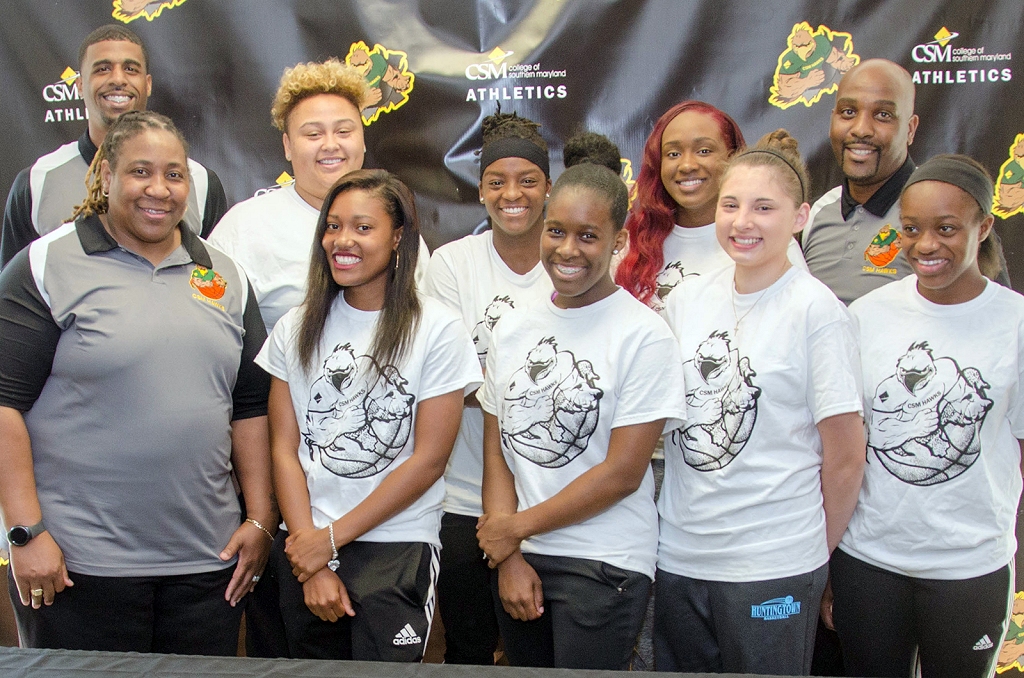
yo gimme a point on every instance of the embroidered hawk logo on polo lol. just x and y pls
(884, 248)
(208, 282)
(552, 406)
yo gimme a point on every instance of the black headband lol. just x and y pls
(514, 147)
(954, 171)
(803, 191)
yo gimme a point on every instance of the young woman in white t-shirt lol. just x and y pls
(482, 276)
(578, 388)
(760, 483)
(366, 398)
(924, 575)
(671, 224)
(317, 108)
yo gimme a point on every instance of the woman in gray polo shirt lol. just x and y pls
(127, 397)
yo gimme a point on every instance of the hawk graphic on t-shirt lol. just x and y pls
(668, 280)
(721, 405)
(482, 331)
(926, 418)
(552, 405)
(359, 417)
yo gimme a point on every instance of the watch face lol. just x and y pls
(18, 535)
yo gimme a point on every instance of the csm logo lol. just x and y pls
(65, 89)
(486, 71)
(494, 69)
(936, 51)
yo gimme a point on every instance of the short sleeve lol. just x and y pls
(18, 230)
(422, 261)
(486, 396)
(450, 363)
(1015, 412)
(225, 235)
(652, 386)
(441, 283)
(252, 389)
(796, 255)
(833, 357)
(28, 334)
(216, 203)
(273, 357)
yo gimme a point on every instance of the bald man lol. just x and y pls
(853, 241)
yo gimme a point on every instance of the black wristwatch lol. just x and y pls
(19, 535)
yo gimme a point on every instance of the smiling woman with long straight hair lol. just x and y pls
(365, 402)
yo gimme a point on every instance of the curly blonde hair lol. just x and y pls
(309, 79)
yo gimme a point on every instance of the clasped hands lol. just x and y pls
(308, 551)
(519, 587)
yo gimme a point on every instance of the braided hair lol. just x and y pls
(510, 125)
(127, 126)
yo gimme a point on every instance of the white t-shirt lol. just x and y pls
(559, 380)
(741, 500)
(356, 429)
(944, 396)
(470, 277)
(271, 236)
(693, 252)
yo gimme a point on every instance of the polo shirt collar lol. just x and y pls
(95, 239)
(86, 147)
(885, 197)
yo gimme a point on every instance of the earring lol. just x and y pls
(615, 251)
(397, 255)
(106, 194)
(547, 195)
(481, 201)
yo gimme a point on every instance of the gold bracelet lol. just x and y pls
(257, 524)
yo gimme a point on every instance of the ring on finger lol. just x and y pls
(36, 593)
(255, 578)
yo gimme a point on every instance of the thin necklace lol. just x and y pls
(739, 318)
(732, 298)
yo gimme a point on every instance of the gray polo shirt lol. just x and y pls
(856, 248)
(45, 195)
(129, 377)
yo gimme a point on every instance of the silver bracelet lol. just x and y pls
(257, 524)
(333, 563)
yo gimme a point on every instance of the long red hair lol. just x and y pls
(653, 214)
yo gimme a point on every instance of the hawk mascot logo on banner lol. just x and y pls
(812, 65)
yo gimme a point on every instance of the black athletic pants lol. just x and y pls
(592, 615)
(464, 594)
(888, 621)
(392, 587)
(177, 614)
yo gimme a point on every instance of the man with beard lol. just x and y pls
(853, 239)
(114, 78)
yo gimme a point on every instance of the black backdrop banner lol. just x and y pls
(440, 66)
